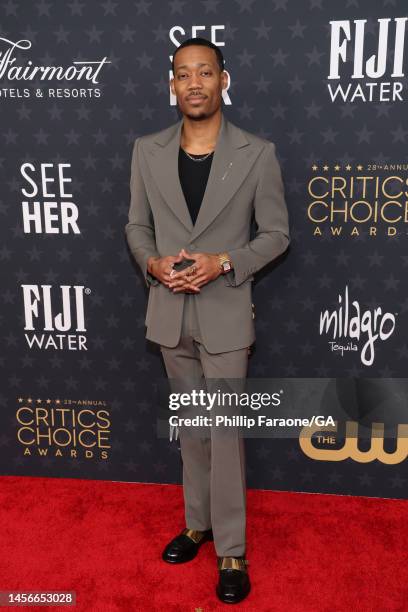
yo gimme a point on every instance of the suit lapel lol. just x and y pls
(163, 161)
(233, 158)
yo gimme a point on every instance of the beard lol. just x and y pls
(209, 109)
(199, 117)
(199, 114)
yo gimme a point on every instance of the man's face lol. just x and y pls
(198, 82)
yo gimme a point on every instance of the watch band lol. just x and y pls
(225, 262)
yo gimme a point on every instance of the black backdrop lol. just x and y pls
(278, 56)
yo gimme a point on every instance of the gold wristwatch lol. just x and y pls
(225, 262)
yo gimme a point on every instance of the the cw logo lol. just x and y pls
(350, 447)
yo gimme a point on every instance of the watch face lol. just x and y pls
(226, 266)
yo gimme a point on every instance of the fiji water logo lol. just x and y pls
(350, 322)
(349, 48)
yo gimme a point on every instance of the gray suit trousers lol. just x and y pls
(214, 479)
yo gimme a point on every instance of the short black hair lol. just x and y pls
(205, 43)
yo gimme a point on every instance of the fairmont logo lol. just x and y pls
(348, 321)
(87, 70)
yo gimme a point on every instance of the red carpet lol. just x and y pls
(104, 539)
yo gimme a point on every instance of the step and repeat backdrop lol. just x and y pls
(327, 83)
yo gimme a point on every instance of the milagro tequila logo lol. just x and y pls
(349, 40)
(43, 323)
(348, 321)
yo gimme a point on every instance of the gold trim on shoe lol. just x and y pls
(232, 563)
(193, 534)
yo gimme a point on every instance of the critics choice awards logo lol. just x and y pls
(64, 428)
(351, 200)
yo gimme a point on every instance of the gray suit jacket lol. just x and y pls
(245, 178)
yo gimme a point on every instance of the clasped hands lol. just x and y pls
(206, 268)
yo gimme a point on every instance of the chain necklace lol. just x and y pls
(198, 159)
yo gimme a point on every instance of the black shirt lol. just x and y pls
(193, 178)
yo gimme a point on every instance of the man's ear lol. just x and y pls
(172, 86)
(224, 80)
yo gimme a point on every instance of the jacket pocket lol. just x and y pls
(227, 281)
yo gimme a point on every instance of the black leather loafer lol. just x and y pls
(233, 585)
(185, 546)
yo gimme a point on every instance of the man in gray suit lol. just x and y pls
(195, 187)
